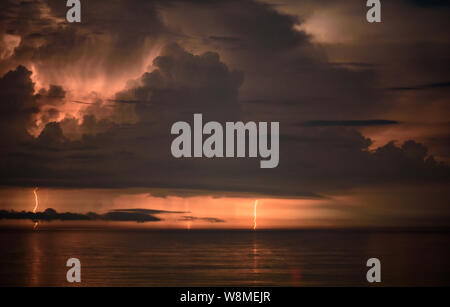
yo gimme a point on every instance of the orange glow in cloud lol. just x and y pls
(8, 42)
(35, 78)
(329, 27)
(88, 74)
(86, 80)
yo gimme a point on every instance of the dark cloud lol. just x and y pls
(348, 123)
(226, 39)
(312, 161)
(183, 84)
(120, 215)
(280, 63)
(360, 65)
(206, 219)
(129, 216)
(428, 86)
(18, 105)
(146, 211)
(117, 215)
(429, 3)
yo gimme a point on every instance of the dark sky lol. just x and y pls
(362, 107)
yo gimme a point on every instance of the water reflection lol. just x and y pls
(255, 255)
(36, 259)
(222, 258)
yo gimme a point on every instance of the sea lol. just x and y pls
(313, 257)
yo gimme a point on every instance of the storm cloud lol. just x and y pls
(118, 215)
(91, 105)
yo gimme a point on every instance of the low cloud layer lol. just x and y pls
(206, 219)
(348, 123)
(118, 215)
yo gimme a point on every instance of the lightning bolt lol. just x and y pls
(36, 200)
(36, 205)
(254, 215)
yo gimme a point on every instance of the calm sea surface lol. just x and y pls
(223, 258)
